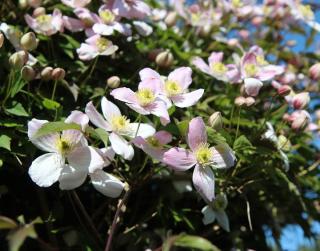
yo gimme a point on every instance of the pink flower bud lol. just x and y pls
(240, 101)
(27, 73)
(58, 74)
(164, 59)
(1, 39)
(46, 73)
(299, 101)
(250, 101)
(299, 119)
(314, 71)
(284, 90)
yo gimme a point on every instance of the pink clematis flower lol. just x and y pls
(153, 145)
(76, 3)
(46, 24)
(95, 46)
(216, 68)
(131, 9)
(202, 156)
(119, 126)
(299, 119)
(147, 99)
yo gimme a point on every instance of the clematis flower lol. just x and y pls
(153, 145)
(202, 156)
(95, 46)
(46, 24)
(147, 99)
(109, 22)
(301, 100)
(299, 119)
(76, 3)
(131, 9)
(216, 68)
(175, 88)
(119, 126)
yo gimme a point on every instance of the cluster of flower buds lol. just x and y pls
(49, 73)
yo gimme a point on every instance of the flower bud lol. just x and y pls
(220, 203)
(299, 101)
(257, 21)
(284, 90)
(314, 71)
(153, 54)
(240, 101)
(1, 39)
(113, 82)
(27, 73)
(34, 3)
(250, 101)
(171, 19)
(18, 59)
(29, 41)
(252, 86)
(39, 12)
(164, 59)
(299, 119)
(23, 4)
(58, 74)
(215, 121)
(46, 73)
(233, 42)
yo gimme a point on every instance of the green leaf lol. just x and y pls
(242, 144)
(103, 135)
(5, 142)
(7, 223)
(214, 137)
(18, 110)
(52, 127)
(50, 104)
(183, 127)
(193, 241)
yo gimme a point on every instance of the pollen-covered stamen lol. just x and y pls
(154, 142)
(172, 88)
(119, 123)
(251, 70)
(219, 68)
(64, 146)
(44, 21)
(107, 16)
(237, 3)
(261, 60)
(103, 44)
(306, 11)
(204, 154)
(145, 96)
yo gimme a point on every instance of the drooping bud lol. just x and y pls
(58, 74)
(39, 12)
(113, 82)
(314, 71)
(164, 59)
(18, 59)
(28, 73)
(171, 19)
(215, 121)
(46, 73)
(299, 101)
(299, 119)
(29, 41)
(284, 90)
(250, 101)
(240, 101)
(252, 86)
(1, 39)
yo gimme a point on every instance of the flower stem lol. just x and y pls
(54, 89)
(91, 71)
(238, 123)
(115, 219)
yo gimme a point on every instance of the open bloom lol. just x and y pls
(76, 3)
(154, 145)
(147, 99)
(202, 156)
(131, 9)
(46, 24)
(95, 46)
(69, 159)
(119, 126)
(216, 68)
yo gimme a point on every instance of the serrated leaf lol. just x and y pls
(5, 142)
(7, 223)
(52, 127)
(50, 104)
(18, 110)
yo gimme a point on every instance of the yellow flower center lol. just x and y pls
(64, 146)
(204, 154)
(44, 19)
(103, 44)
(195, 17)
(250, 69)
(237, 3)
(107, 16)
(145, 96)
(306, 11)
(219, 68)
(119, 123)
(154, 142)
(261, 60)
(172, 88)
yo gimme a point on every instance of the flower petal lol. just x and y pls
(79, 118)
(201, 65)
(215, 57)
(223, 156)
(187, 99)
(96, 118)
(179, 159)
(203, 180)
(109, 109)
(252, 86)
(197, 133)
(144, 130)
(121, 146)
(163, 137)
(208, 215)
(181, 75)
(71, 177)
(45, 170)
(125, 94)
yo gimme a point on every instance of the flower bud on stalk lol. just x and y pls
(58, 74)
(29, 41)
(113, 82)
(1, 39)
(171, 19)
(301, 100)
(46, 73)
(164, 59)
(18, 59)
(27, 73)
(250, 101)
(215, 121)
(314, 71)
(240, 101)
(284, 90)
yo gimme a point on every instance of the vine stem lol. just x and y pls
(238, 123)
(115, 219)
(93, 66)
(54, 89)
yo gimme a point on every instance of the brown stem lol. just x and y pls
(117, 214)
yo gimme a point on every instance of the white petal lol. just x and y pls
(97, 160)
(203, 180)
(144, 130)
(78, 118)
(45, 170)
(121, 146)
(109, 109)
(96, 118)
(208, 215)
(106, 183)
(71, 177)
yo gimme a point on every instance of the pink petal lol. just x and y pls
(215, 57)
(148, 74)
(163, 137)
(159, 109)
(78, 118)
(252, 86)
(181, 75)
(156, 153)
(179, 159)
(125, 94)
(203, 180)
(96, 118)
(269, 72)
(73, 24)
(223, 156)
(32, 23)
(187, 99)
(87, 52)
(201, 65)
(197, 133)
